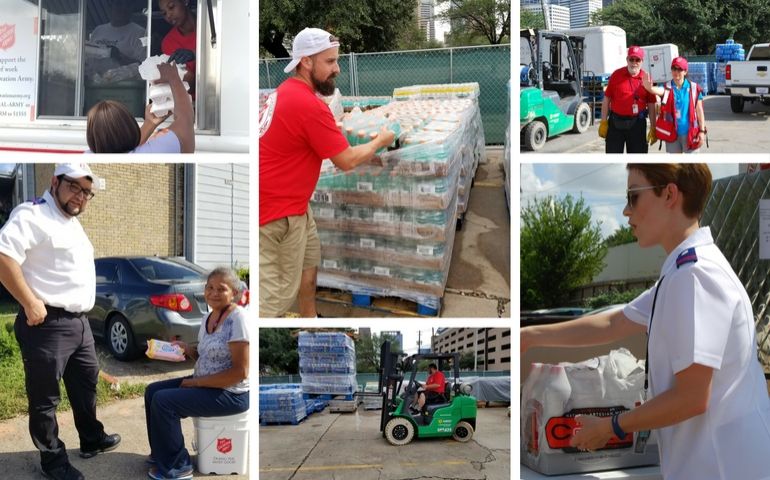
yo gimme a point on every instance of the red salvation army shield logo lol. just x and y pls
(224, 445)
(7, 36)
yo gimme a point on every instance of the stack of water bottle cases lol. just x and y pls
(281, 403)
(327, 363)
(387, 227)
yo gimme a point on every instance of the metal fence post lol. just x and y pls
(451, 65)
(267, 70)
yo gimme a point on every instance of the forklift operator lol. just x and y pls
(433, 390)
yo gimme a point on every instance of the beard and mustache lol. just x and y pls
(324, 87)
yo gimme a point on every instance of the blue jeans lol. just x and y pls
(166, 403)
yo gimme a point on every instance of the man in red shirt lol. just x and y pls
(433, 390)
(298, 131)
(625, 106)
(180, 42)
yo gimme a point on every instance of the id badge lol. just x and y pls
(641, 441)
(635, 109)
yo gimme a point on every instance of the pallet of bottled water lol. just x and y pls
(387, 227)
(279, 404)
(327, 363)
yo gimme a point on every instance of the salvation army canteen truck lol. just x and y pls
(56, 62)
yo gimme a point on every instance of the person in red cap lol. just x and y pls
(682, 123)
(297, 131)
(625, 106)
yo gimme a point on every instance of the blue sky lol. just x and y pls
(602, 185)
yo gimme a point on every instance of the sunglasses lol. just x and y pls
(634, 60)
(632, 194)
(677, 69)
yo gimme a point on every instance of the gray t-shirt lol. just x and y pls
(214, 351)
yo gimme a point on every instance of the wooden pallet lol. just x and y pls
(393, 305)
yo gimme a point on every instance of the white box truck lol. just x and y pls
(604, 48)
(657, 61)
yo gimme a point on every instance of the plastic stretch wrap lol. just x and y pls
(334, 101)
(553, 395)
(387, 227)
(281, 404)
(327, 363)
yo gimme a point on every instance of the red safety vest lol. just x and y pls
(665, 126)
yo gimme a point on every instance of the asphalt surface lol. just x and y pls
(479, 279)
(747, 132)
(20, 460)
(349, 446)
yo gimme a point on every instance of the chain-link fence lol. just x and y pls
(379, 73)
(732, 212)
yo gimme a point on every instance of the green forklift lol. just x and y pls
(454, 417)
(551, 97)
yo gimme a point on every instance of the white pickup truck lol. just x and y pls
(749, 81)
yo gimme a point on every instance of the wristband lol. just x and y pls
(616, 427)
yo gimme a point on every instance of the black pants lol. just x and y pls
(633, 140)
(62, 347)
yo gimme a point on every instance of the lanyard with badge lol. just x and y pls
(635, 106)
(643, 436)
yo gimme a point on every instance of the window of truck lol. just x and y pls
(69, 55)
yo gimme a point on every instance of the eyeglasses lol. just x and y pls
(77, 189)
(632, 194)
(634, 60)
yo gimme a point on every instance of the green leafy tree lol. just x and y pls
(530, 19)
(368, 352)
(695, 26)
(621, 236)
(466, 360)
(278, 353)
(361, 25)
(561, 249)
(488, 19)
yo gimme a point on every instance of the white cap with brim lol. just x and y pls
(309, 42)
(74, 170)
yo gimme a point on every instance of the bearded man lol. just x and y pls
(625, 106)
(297, 132)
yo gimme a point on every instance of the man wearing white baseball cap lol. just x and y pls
(47, 264)
(298, 131)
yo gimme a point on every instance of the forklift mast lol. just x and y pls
(390, 381)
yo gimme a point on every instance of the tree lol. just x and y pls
(621, 236)
(561, 249)
(530, 19)
(695, 26)
(467, 360)
(490, 19)
(278, 351)
(368, 352)
(361, 25)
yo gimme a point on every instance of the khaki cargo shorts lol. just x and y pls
(287, 246)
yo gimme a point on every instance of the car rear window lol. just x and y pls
(164, 269)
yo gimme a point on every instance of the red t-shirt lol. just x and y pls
(437, 378)
(623, 90)
(174, 40)
(301, 133)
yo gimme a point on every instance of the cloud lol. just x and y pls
(609, 217)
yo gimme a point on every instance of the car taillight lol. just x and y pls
(728, 73)
(172, 301)
(244, 300)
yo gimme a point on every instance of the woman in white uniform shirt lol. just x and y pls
(707, 396)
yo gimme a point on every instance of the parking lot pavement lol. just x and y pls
(747, 132)
(350, 446)
(21, 461)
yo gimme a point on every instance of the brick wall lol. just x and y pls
(140, 212)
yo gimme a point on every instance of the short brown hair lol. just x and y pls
(111, 128)
(692, 179)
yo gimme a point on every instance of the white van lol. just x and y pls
(50, 72)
